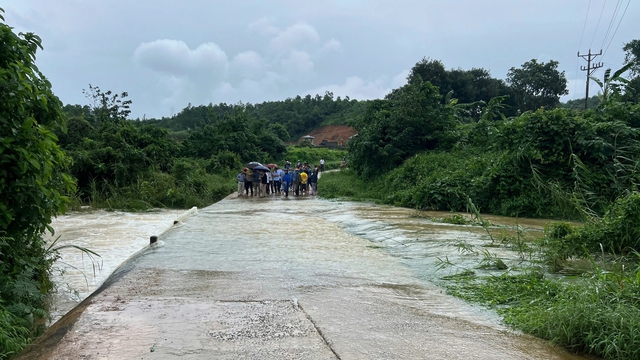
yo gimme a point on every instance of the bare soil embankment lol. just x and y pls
(331, 133)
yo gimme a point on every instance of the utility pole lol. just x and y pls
(589, 69)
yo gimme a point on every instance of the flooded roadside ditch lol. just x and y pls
(113, 235)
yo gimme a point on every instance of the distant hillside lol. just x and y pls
(339, 133)
(578, 104)
(298, 115)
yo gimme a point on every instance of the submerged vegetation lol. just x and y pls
(578, 286)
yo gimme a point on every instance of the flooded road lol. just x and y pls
(113, 235)
(293, 278)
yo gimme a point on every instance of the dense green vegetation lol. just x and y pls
(415, 150)
(32, 185)
(456, 140)
(288, 119)
(135, 165)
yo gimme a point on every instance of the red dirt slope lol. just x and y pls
(331, 133)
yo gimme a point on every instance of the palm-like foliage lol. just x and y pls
(612, 86)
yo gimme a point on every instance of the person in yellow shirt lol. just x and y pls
(303, 182)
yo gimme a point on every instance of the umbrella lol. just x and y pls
(261, 167)
(253, 164)
(271, 165)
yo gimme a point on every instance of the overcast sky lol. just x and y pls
(168, 53)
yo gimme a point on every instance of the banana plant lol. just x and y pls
(611, 86)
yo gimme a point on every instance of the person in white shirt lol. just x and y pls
(269, 189)
(277, 175)
(322, 164)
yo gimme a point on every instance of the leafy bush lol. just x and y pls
(32, 184)
(618, 231)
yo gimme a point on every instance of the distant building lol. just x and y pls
(308, 138)
(329, 144)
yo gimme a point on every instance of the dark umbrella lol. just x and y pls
(261, 167)
(253, 164)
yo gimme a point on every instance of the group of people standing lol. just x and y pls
(301, 180)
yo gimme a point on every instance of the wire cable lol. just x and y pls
(613, 20)
(575, 84)
(598, 25)
(617, 27)
(585, 25)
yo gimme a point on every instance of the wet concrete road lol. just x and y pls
(278, 279)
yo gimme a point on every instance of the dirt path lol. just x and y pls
(272, 279)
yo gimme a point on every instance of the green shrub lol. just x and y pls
(598, 315)
(619, 229)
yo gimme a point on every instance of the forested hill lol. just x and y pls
(297, 116)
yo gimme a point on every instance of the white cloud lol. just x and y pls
(264, 27)
(298, 61)
(248, 64)
(174, 57)
(248, 58)
(295, 34)
(205, 74)
(331, 45)
(400, 79)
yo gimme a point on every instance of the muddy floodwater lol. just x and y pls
(298, 278)
(113, 235)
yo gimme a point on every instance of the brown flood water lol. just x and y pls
(301, 278)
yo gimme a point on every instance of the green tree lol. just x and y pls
(537, 84)
(432, 71)
(32, 184)
(280, 131)
(632, 55)
(410, 120)
(107, 106)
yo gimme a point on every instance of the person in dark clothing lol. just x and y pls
(248, 182)
(256, 182)
(313, 182)
(263, 184)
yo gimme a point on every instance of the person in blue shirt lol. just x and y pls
(286, 182)
(241, 177)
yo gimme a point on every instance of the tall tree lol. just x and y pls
(537, 84)
(432, 71)
(411, 119)
(632, 55)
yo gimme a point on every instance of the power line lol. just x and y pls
(585, 24)
(598, 25)
(575, 87)
(620, 22)
(613, 20)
